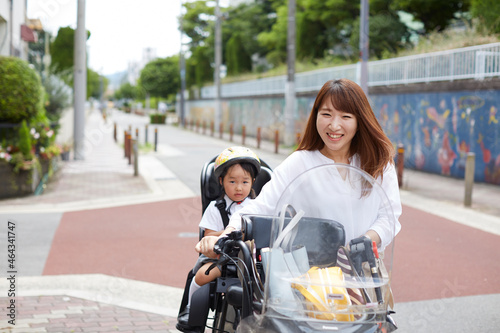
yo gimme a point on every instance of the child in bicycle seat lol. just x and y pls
(236, 169)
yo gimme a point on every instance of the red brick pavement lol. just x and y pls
(60, 314)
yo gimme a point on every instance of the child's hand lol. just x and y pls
(206, 246)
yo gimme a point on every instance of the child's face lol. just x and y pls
(237, 183)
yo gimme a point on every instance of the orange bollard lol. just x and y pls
(297, 138)
(221, 129)
(212, 128)
(129, 148)
(243, 134)
(400, 163)
(258, 137)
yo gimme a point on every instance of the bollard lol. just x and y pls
(211, 128)
(231, 132)
(137, 133)
(400, 163)
(146, 135)
(136, 157)
(156, 139)
(243, 134)
(114, 132)
(258, 138)
(124, 143)
(204, 124)
(276, 141)
(469, 178)
(221, 128)
(297, 138)
(129, 148)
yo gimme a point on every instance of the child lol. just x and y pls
(236, 169)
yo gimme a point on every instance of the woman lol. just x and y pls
(342, 128)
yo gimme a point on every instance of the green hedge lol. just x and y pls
(157, 118)
(21, 91)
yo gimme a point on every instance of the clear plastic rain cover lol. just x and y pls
(321, 274)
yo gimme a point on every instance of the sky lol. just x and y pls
(120, 29)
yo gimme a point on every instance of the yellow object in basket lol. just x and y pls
(324, 299)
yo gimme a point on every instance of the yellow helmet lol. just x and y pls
(233, 155)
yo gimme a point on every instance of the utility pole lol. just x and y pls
(80, 81)
(364, 43)
(182, 64)
(218, 61)
(289, 135)
(11, 28)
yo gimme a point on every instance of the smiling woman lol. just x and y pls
(342, 128)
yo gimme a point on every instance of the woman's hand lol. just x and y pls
(206, 246)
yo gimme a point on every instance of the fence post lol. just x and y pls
(258, 137)
(276, 141)
(400, 163)
(136, 157)
(243, 134)
(469, 178)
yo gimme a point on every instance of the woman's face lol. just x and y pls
(336, 129)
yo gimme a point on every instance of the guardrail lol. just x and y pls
(475, 62)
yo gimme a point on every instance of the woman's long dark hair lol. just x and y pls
(370, 143)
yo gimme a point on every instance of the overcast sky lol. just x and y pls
(120, 29)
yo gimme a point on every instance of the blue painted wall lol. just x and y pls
(437, 129)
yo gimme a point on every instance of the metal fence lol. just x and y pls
(475, 62)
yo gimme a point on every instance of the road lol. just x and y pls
(446, 275)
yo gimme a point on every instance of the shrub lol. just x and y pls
(21, 92)
(157, 118)
(25, 141)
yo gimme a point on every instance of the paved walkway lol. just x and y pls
(107, 262)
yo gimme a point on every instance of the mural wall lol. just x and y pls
(437, 129)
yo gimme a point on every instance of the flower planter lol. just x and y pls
(65, 155)
(14, 184)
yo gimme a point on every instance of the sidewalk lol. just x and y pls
(94, 302)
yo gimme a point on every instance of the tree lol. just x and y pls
(62, 51)
(488, 13)
(435, 15)
(126, 91)
(94, 81)
(161, 77)
(387, 33)
(237, 59)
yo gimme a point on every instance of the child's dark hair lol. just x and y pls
(248, 167)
